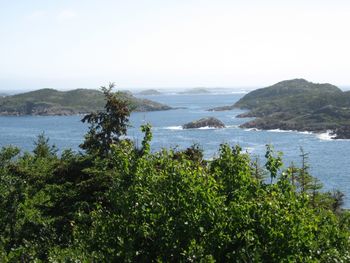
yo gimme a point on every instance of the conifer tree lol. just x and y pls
(106, 127)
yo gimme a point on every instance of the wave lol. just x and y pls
(326, 136)
(279, 130)
(173, 128)
(304, 132)
(207, 128)
(214, 128)
(252, 129)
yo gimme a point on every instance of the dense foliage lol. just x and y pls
(128, 204)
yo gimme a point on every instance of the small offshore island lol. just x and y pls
(297, 105)
(50, 102)
(195, 91)
(210, 122)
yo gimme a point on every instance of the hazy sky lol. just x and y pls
(172, 43)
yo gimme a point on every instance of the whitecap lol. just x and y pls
(305, 132)
(173, 128)
(279, 130)
(252, 129)
(207, 128)
(326, 136)
(300, 132)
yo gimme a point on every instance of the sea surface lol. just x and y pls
(329, 159)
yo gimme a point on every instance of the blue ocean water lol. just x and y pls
(329, 159)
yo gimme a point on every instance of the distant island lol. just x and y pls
(195, 91)
(297, 105)
(78, 101)
(149, 92)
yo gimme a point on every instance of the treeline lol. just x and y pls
(120, 202)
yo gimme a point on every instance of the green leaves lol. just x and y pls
(107, 126)
(273, 163)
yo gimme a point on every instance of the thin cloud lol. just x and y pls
(37, 15)
(67, 14)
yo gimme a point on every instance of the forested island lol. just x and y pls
(117, 201)
(195, 91)
(149, 92)
(78, 101)
(297, 105)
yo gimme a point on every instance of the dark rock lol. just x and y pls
(342, 133)
(204, 122)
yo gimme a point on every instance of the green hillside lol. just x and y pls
(293, 95)
(298, 105)
(149, 92)
(195, 91)
(78, 101)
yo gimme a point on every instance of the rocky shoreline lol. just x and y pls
(297, 105)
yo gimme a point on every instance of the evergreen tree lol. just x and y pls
(108, 126)
(42, 147)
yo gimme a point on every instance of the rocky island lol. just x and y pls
(78, 101)
(149, 92)
(195, 91)
(204, 122)
(297, 105)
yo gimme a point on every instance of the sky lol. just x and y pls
(172, 43)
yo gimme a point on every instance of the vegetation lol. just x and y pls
(298, 105)
(149, 92)
(119, 202)
(79, 101)
(195, 91)
(204, 122)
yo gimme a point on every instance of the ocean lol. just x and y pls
(329, 159)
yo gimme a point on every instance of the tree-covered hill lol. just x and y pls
(298, 105)
(195, 91)
(79, 101)
(149, 92)
(291, 94)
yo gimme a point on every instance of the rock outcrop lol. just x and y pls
(204, 122)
